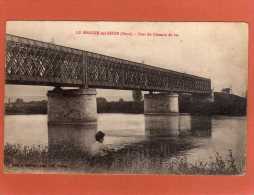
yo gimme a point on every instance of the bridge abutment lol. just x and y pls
(72, 106)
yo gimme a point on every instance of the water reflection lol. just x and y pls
(78, 136)
(201, 126)
(177, 125)
(162, 125)
(185, 124)
(174, 125)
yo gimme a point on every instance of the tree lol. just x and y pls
(101, 100)
(121, 100)
(137, 95)
(19, 101)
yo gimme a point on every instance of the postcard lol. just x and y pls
(95, 97)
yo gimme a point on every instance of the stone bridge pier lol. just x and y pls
(162, 114)
(72, 117)
(72, 106)
(161, 103)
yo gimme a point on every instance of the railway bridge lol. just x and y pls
(32, 62)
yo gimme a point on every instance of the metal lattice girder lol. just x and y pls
(38, 63)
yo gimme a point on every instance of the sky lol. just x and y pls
(215, 50)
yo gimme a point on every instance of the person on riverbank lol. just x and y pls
(98, 148)
(100, 156)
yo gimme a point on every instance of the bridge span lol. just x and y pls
(32, 62)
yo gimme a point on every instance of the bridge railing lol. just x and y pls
(34, 62)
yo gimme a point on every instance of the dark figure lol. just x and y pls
(100, 156)
(98, 148)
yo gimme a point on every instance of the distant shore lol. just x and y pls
(223, 104)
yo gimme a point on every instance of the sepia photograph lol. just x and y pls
(89, 97)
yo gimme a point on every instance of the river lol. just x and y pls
(194, 137)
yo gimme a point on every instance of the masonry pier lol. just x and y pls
(161, 103)
(72, 117)
(72, 106)
(161, 114)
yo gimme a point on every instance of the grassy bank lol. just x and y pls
(72, 158)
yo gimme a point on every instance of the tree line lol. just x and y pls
(223, 104)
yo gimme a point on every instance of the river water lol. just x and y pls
(197, 138)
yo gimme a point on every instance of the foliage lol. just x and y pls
(21, 107)
(120, 106)
(126, 160)
(137, 95)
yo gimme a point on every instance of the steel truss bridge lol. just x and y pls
(32, 62)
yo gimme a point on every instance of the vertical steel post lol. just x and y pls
(84, 69)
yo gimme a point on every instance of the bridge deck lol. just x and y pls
(33, 62)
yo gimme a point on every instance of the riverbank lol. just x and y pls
(68, 159)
